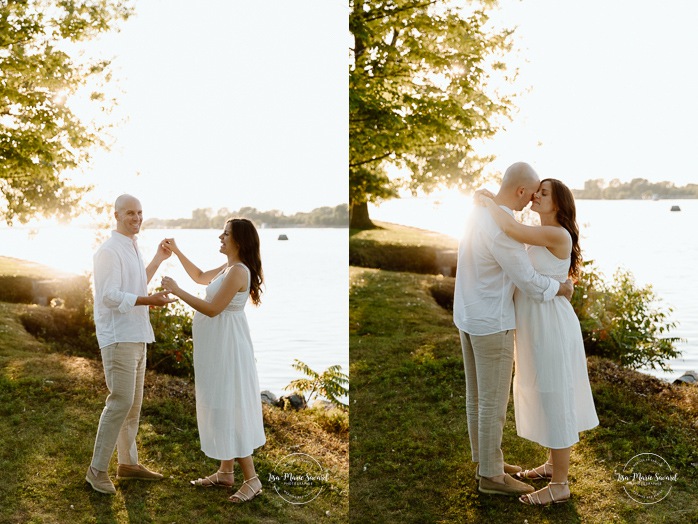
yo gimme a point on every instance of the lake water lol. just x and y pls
(304, 308)
(658, 246)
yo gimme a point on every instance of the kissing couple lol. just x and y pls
(512, 308)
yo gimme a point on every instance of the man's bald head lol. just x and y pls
(129, 215)
(519, 184)
(123, 201)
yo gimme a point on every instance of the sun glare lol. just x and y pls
(444, 211)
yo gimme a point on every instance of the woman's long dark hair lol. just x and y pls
(567, 217)
(245, 236)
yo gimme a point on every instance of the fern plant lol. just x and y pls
(331, 384)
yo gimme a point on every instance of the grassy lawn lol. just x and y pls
(23, 268)
(394, 247)
(395, 234)
(50, 405)
(410, 455)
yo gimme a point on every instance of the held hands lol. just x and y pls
(482, 196)
(170, 245)
(170, 285)
(163, 253)
(160, 299)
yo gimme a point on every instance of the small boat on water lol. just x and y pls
(675, 208)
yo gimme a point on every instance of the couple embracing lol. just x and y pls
(511, 305)
(228, 403)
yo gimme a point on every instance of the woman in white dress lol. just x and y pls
(552, 395)
(228, 402)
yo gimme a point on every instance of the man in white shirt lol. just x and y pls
(122, 322)
(490, 266)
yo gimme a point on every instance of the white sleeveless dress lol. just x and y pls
(228, 402)
(552, 395)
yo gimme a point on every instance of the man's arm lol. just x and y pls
(108, 286)
(161, 255)
(513, 259)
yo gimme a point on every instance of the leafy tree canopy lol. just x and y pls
(41, 66)
(419, 94)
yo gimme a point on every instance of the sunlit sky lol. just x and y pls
(612, 90)
(228, 104)
(606, 89)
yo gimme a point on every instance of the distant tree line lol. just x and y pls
(337, 216)
(636, 189)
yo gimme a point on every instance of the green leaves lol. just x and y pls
(331, 383)
(623, 322)
(419, 97)
(40, 137)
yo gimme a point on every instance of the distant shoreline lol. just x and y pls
(264, 226)
(324, 217)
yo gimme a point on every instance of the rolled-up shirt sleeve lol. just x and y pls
(108, 282)
(512, 257)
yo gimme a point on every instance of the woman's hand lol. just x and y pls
(170, 285)
(171, 245)
(482, 196)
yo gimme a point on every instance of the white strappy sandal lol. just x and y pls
(246, 497)
(533, 499)
(213, 480)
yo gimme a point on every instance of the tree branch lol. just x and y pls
(374, 159)
(400, 10)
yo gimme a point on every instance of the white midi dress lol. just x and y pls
(228, 402)
(552, 395)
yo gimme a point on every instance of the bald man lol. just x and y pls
(490, 266)
(123, 328)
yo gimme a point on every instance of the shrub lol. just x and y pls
(623, 322)
(619, 321)
(68, 330)
(16, 289)
(407, 258)
(173, 349)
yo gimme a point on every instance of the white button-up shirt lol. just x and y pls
(490, 266)
(119, 279)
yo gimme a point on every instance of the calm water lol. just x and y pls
(304, 307)
(658, 246)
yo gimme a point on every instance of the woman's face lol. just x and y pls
(228, 245)
(543, 199)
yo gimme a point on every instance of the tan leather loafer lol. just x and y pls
(100, 481)
(137, 472)
(510, 486)
(508, 469)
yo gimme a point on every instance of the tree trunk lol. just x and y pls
(358, 217)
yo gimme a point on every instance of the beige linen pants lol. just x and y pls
(489, 361)
(124, 371)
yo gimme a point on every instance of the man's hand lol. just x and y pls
(164, 252)
(156, 299)
(169, 243)
(566, 289)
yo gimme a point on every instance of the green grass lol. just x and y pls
(50, 405)
(410, 455)
(394, 247)
(23, 268)
(394, 234)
